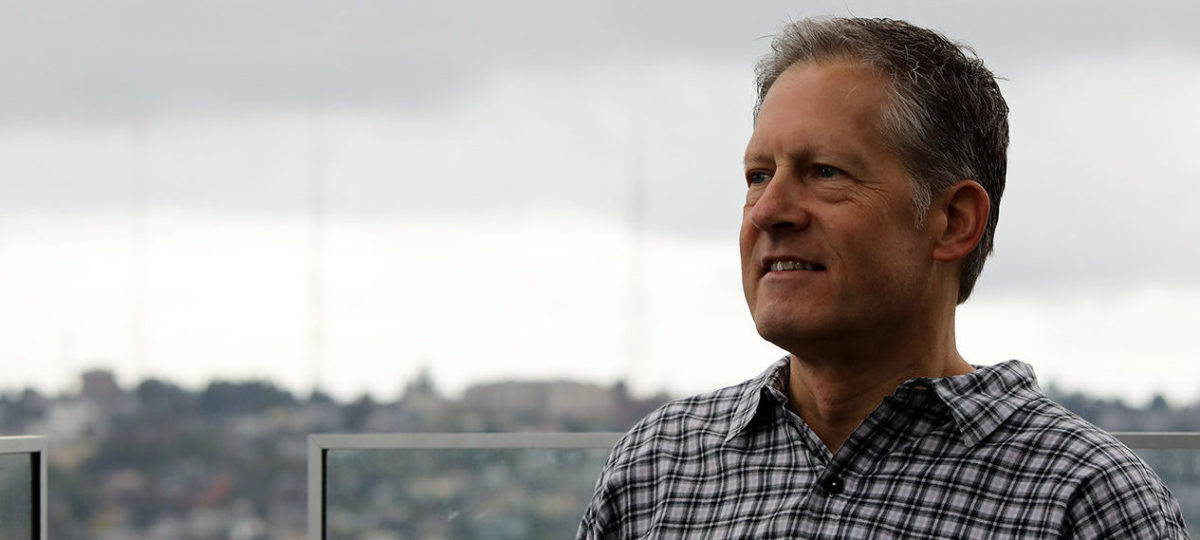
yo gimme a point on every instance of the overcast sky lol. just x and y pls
(477, 163)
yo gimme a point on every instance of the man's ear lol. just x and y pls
(964, 209)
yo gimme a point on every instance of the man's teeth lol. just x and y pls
(794, 265)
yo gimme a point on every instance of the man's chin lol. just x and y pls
(790, 335)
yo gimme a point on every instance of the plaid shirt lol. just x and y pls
(982, 455)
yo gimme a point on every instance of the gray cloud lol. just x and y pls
(80, 61)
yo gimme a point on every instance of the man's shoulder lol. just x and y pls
(680, 423)
(1046, 426)
(1105, 473)
(1006, 409)
(699, 411)
(680, 431)
(1112, 488)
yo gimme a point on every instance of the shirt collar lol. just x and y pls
(979, 402)
(771, 384)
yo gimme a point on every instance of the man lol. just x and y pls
(874, 177)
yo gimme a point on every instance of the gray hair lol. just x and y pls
(945, 118)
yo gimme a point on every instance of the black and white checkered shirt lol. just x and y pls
(982, 455)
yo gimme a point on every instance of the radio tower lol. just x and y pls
(137, 251)
(316, 211)
(636, 315)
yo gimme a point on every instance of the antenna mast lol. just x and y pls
(316, 211)
(637, 210)
(139, 210)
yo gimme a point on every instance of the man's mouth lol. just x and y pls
(785, 266)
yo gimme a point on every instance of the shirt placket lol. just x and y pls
(837, 494)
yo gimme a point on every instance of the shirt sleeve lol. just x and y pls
(590, 528)
(1124, 500)
(600, 518)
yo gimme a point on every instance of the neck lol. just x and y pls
(835, 389)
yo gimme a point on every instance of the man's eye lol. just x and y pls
(757, 177)
(828, 171)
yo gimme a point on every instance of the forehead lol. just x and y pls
(835, 102)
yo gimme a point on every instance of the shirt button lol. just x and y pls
(832, 485)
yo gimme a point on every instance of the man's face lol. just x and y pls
(831, 253)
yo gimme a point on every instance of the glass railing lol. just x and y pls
(1176, 459)
(23, 487)
(533, 485)
(478, 485)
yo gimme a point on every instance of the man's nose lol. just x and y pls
(782, 206)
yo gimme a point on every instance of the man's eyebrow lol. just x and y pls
(845, 160)
(794, 155)
(755, 157)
